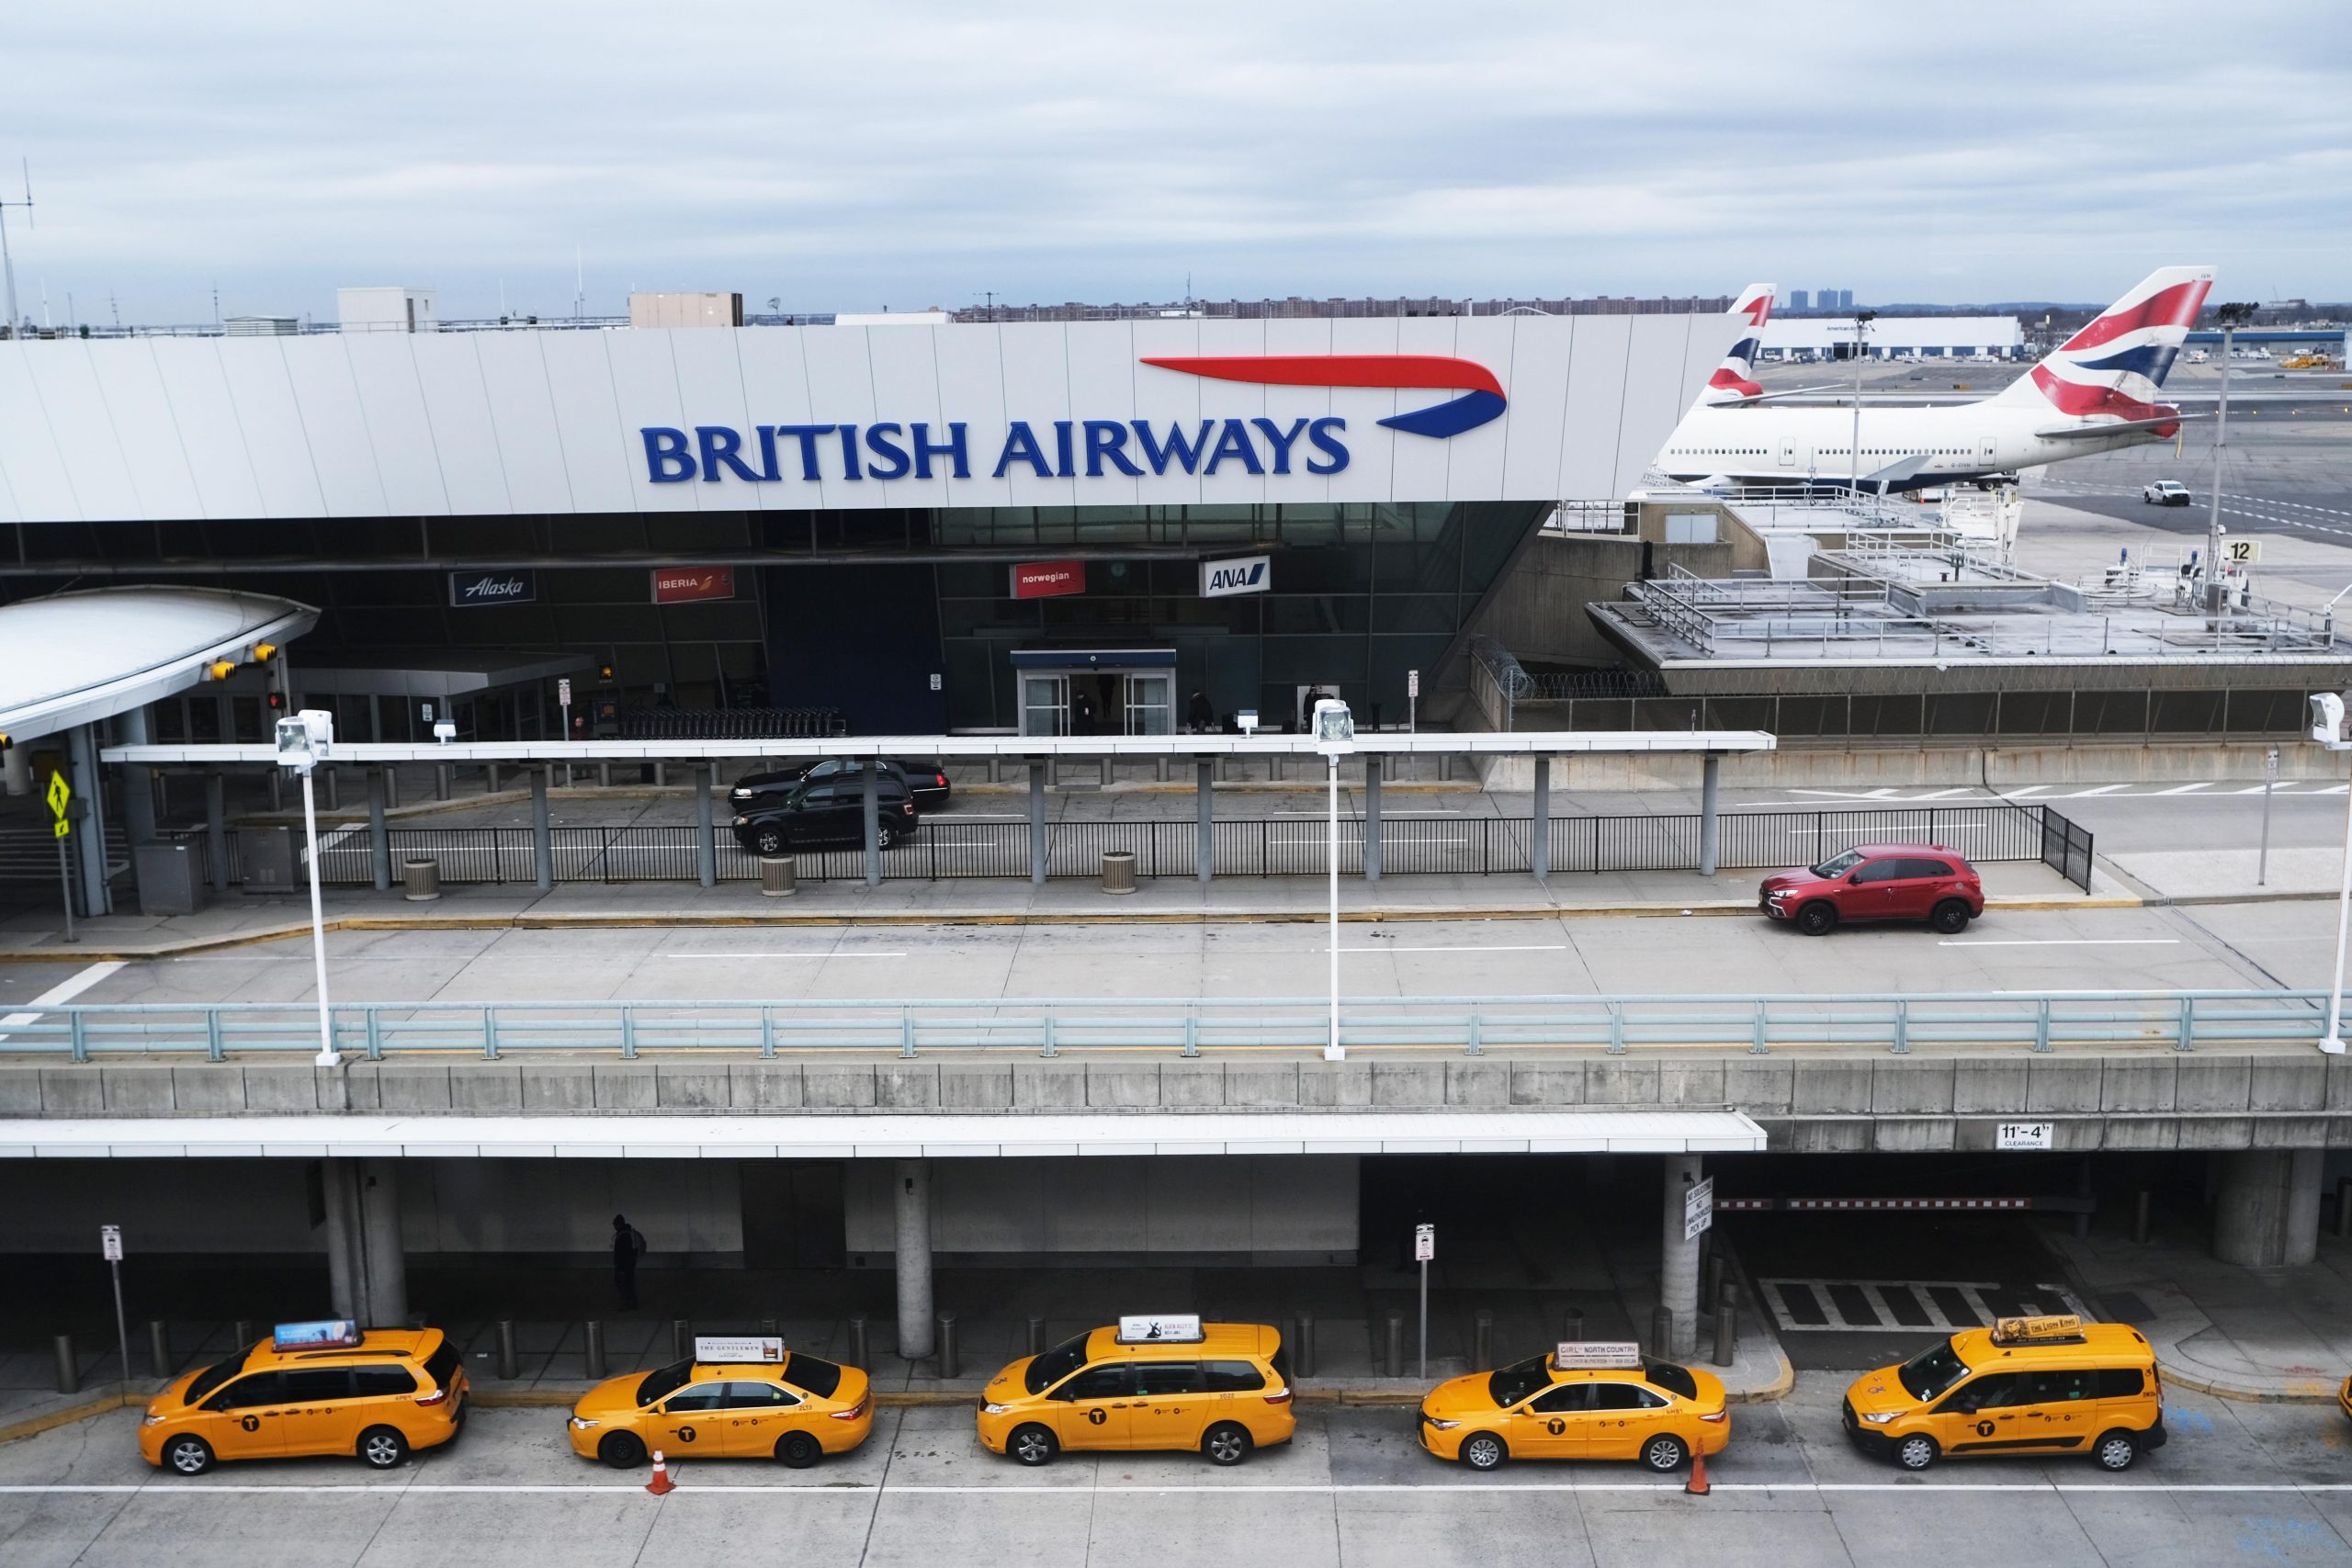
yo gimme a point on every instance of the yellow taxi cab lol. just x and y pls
(739, 1398)
(1582, 1400)
(2026, 1385)
(1220, 1389)
(2344, 1396)
(312, 1388)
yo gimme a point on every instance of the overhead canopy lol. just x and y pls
(886, 1136)
(432, 672)
(74, 659)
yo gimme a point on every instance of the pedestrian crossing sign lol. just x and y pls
(63, 827)
(59, 792)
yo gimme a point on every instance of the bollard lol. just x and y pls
(159, 1348)
(1727, 1326)
(593, 1332)
(1482, 1338)
(69, 1369)
(509, 1366)
(2344, 1206)
(949, 1367)
(1662, 1332)
(857, 1353)
(1036, 1336)
(1711, 1276)
(1572, 1324)
(241, 1334)
(682, 1338)
(1302, 1348)
(1393, 1350)
(2143, 1216)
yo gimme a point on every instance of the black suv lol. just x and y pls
(926, 781)
(830, 810)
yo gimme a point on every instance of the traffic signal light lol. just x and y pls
(277, 701)
(605, 673)
(220, 668)
(264, 652)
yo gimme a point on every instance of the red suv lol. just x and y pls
(1878, 882)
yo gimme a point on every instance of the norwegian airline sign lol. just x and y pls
(1066, 449)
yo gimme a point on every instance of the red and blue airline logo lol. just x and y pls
(1481, 402)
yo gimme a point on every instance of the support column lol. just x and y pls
(869, 815)
(706, 846)
(1372, 765)
(381, 1251)
(137, 787)
(1203, 818)
(89, 840)
(1539, 827)
(1678, 1277)
(2266, 1214)
(1037, 823)
(216, 830)
(911, 1183)
(346, 1287)
(1711, 769)
(379, 837)
(543, 833)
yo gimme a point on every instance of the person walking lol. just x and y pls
(628, 1246)
(1198, 717)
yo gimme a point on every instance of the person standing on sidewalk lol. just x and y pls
(628, 1246)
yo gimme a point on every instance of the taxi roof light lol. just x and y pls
(1163, 1329)
(1589, 1355)
(2054, 1329)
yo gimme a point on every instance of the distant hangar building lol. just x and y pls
(1930, 337)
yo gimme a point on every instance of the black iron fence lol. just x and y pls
(952, 847)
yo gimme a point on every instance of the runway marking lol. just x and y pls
(2068, 941)
(63, 992)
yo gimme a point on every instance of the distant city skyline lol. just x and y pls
(526, 156)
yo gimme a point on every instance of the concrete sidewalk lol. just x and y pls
(35, 935)
(2261, 1334)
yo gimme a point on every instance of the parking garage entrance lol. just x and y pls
(1088, 691)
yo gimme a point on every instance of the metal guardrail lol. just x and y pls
(1898, 1024)
(952, 848)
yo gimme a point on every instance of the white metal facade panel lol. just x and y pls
(212, 436)
(469, 424)
(334, 425)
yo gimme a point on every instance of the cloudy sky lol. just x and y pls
(915, 153)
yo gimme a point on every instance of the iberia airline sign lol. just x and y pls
(1092, 449)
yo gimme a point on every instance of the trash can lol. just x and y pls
(420, 879)
(778, 877)
(1118, 870)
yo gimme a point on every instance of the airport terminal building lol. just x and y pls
(1035, 528)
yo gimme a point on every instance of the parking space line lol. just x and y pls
(2066, 941)
(823, 957)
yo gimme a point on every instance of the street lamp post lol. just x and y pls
(1335, 737)
(2328, 728)
(1863, 319)
(303, 741)
(2217, 593)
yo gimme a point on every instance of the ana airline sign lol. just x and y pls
(1247, 574)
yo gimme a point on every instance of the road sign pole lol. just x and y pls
(65, 885)
(110, 1248)
(2269, 778)
(1425, 1320)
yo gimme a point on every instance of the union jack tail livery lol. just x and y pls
(1734, 380)
(2111, 371)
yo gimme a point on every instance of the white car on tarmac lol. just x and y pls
(2165, 492)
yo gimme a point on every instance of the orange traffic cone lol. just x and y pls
(661, 1486)
(1696, 1485)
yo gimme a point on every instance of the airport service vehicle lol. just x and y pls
(926, 781)
(1877, 882)
(738, 1398)
(2165, 492)
(1582, 1400)
(2026, 1385)
(2096, 392)
(312, 1388)
(1219, 1388)
(828, 811)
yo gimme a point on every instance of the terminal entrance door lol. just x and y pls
(1097, 692)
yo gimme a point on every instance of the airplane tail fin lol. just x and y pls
(2116, 364)
(1734, 380)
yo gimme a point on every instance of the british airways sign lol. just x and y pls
(1092, 449)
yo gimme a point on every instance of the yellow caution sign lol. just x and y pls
(59, 792)
(63, 826)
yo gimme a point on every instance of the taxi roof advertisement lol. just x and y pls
(1090, 413)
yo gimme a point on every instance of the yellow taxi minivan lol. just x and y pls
(312, 1388)
(747, 1398)
(1220, 1389)
(1583, 1400)
(2026, 1385)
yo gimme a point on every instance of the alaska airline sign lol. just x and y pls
(1068, 449)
